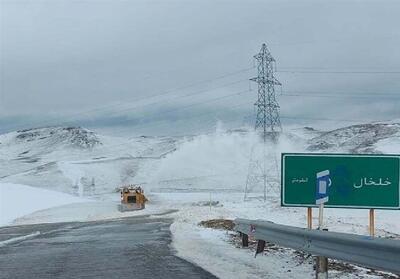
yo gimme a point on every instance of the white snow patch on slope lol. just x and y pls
(19, 239)
(389, 145)
(18, 200)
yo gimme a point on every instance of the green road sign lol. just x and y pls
(339, 180)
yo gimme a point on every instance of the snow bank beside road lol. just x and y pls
(17, 200)
(212, 249)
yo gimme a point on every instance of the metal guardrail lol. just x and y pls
(376, 253)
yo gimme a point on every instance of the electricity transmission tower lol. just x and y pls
(267, 122)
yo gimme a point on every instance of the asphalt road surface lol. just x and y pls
(123, 248)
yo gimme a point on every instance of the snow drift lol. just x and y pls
(19, 200)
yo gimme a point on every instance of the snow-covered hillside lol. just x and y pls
(32, 142)
(27, 145)
(363, 138)
(68, 158)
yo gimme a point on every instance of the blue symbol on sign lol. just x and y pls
(323, 183)
(342, 181)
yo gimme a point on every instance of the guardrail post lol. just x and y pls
(245, 240)
(321, 267)
(260, 247)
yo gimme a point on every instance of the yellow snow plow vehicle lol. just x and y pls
(132, 198)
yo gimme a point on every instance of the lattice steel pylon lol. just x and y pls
(267, 121)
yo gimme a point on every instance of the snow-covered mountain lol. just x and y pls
(362, 138)
(29, 145)
(74, 136)
(64, 158)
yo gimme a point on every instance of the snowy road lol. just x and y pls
(125, 248)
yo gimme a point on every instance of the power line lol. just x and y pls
(172, 90)
(337, 72)
(183, 96)
(86, 112)
(352, 92)
(352, 67)
(328, 119)
(159, 123)
(303, 94)
(155, 116)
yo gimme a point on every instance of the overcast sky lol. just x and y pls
(62, 60)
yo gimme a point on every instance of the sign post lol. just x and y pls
(321, 194)
(309, 218)
(372, 222)
(321, 197)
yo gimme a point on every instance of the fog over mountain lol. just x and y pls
(97, 63)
